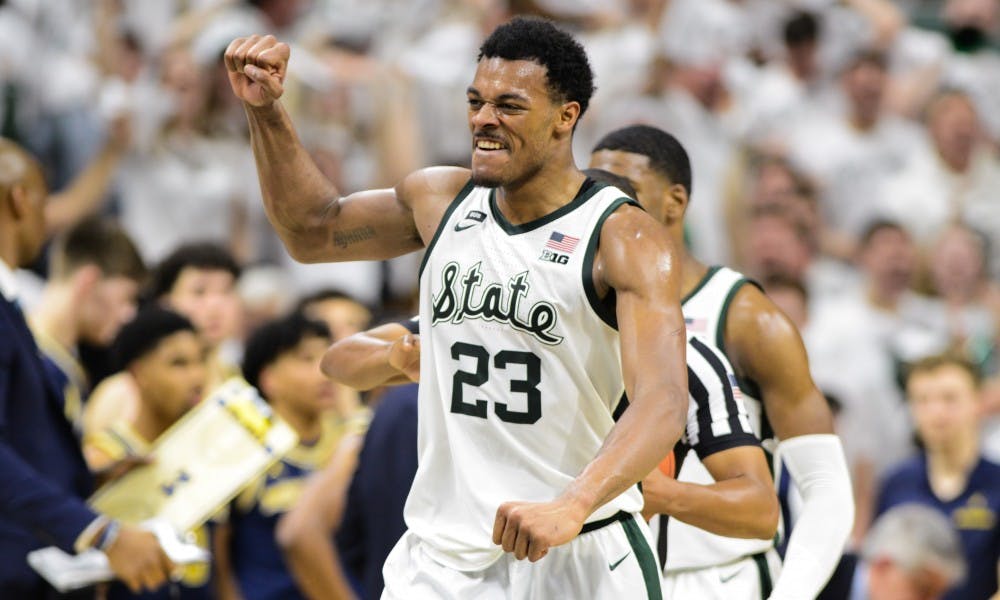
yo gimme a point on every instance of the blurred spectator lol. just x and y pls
(791, 297)
(686, 96)
(198, 281)
(780, 238)
(781, 88)
(46, 478)
(861, 148)
(282, 361)
(912, 552)
(958, 275)
(369, 521)
(92, 291)
(344, 316)
(871, 334)
(166, 359)
(955, 181)
(950, 474)
(849, 113)
(187, 185)
(266, 294)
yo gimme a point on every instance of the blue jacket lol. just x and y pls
(43, 476)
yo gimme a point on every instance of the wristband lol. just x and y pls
(108, 536)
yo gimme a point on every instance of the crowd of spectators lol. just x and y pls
(845, 154)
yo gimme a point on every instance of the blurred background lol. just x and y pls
(845, 154)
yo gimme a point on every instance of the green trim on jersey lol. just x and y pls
(466, 190)
(584, 194)
(704, 280)
(647, 562)
(764, 572)
(749, 386)
(605, 309)
(720, 327)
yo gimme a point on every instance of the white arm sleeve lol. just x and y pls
(818, 469)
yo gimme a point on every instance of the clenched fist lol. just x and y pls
(404, 356)
(529, 529)
(257, 66)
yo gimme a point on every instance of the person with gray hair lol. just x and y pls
(911, 553)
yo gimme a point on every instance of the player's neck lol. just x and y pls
(949, 465)
(692, 272)
(308, 426)
(543, 194)
(55, 316)
(148, 424)
(8, 246)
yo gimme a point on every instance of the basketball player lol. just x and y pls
(95, 272)
(166, 359)
(767, 353)
(546, 297)
(282, 361)
(739, 502)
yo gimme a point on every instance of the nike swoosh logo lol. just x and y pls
(731, 575)
(460, 227)
(615, 564)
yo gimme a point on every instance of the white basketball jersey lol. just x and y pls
(705, 310)
(520, 368)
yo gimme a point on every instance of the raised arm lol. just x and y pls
(636, 259)
(765, 346)
(386, 355)
(315, 223)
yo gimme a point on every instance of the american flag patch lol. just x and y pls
(736, 387)
(561, 242)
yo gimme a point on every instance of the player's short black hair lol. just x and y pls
(273, 339)
(801, 28)
(143, 334)
(568, 71)
(665, 153)
(622, 183)
(198, 255)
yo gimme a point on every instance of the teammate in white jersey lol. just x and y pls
(546, 297)
(767, 353)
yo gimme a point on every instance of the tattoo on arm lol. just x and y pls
(346, 238)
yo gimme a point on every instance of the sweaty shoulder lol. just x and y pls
(753, 319)
(428, 192)
(628, 238)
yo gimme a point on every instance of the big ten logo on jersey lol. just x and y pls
(555, 257)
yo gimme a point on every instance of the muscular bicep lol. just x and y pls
(382, 224)
(764, 346)
(636, 261)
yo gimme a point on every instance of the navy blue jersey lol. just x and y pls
(257, 561)
(974, 514)
(67, 373)
(373, 517)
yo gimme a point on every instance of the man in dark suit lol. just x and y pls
(43, 477)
